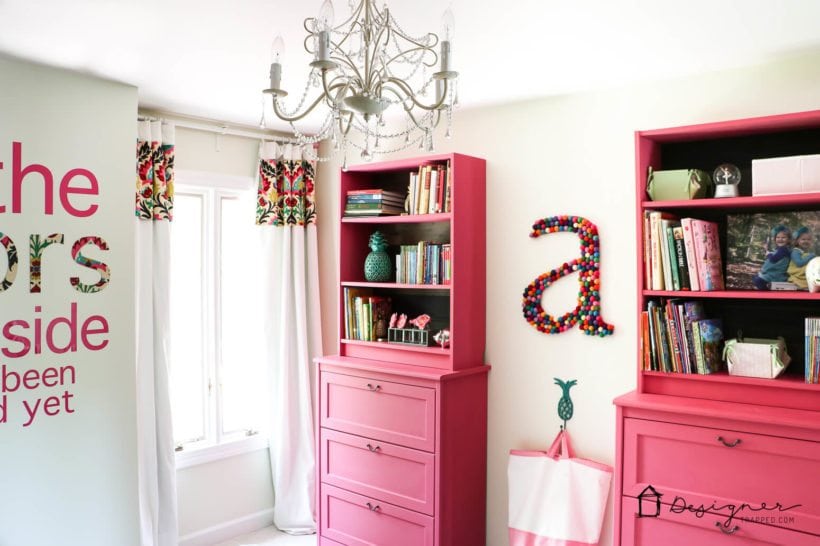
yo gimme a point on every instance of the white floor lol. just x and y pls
(270, 536)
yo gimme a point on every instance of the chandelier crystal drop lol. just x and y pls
(364, 66)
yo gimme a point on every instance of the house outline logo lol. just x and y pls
(650, 495)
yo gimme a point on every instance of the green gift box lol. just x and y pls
(678, 184)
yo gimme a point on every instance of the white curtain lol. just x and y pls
(154, 210)
(286, 214)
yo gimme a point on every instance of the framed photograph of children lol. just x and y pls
(770, 251)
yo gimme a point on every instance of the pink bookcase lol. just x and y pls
(721, 440)
(460, 304)
(402, 435)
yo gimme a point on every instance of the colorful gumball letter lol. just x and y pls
(587, 315)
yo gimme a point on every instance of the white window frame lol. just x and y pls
(216, 444)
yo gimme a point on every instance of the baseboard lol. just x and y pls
(228, 530)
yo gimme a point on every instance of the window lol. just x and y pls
(218, 382)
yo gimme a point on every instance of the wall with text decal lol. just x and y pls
(67, 360)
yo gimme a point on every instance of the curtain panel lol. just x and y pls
(286, 214)
(154, 211)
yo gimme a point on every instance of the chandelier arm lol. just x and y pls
(329, 88)
(345, 59)
(296, 117)
(424, 49)
(375, 73)
(410, 95)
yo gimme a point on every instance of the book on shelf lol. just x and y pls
(657, 278)
(428, 191)
(424, 263)
(366, 315)
(711, 339)
(678, 338)
(707, 255)
(689, 249)
(812, 356)
(680, 254)
(670, 265)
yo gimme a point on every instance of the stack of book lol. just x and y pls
(424, 263)
(812, 350)
(366, 316)
(677, 337)
(681, 254)
(373, 202)
(429, 189)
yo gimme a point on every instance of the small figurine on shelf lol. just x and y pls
(402, 322)
(378, 267)
(420, 321)
(727, 178)
(442, 337)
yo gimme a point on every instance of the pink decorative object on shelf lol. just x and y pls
(420, 321)
(393, 318)
(402, 322)
(442, 337)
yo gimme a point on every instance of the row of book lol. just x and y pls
(373, 202)
(677, 337)
(812, 350)
(424, 263)
(429, 190)
(681, 253)
(366, 316)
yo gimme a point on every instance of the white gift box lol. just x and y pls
(783, 175)
(766, 358)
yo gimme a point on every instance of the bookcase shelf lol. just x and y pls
(397, 286)
(457, 306)
(401, 219)
(435, 351)
(679, 426)
(798, 295)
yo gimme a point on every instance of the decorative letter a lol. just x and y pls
(587, 315)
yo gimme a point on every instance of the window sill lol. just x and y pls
(201, 455)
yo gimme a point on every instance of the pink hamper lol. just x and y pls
(556, 499)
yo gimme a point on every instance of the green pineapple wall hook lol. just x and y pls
(565, 406)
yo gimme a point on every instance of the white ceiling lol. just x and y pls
(210, 58)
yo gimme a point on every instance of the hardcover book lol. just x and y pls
(711, 337)
(770, 250)
(707, 255)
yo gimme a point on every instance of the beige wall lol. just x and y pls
(569, 155)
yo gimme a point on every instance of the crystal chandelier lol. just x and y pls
(364, 66)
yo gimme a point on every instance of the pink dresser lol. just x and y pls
(402, 437)
(403, 454)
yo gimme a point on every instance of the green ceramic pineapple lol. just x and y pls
(378, 267)
(565, 406)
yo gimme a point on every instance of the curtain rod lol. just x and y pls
(215, 126)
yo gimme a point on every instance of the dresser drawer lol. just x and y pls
(671, 528)
(391, 412)
(398, 475)
(356, 520)
(695, 466)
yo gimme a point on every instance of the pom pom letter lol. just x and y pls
(587, 314)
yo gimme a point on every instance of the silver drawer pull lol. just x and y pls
(726, 530)
(373, 507)
(728, 444)
(373, 387)
(373, 449)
